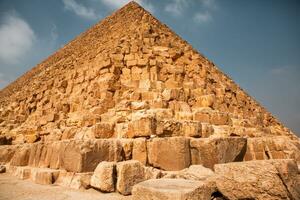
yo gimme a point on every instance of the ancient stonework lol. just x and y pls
(129, 100)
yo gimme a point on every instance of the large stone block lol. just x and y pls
(143, 127)
(21, 156)
(211, 151)
(278, 147)
(103, 130)
(84, 156)
(104, 177)
(6, 153)
(44, 176)
(129, 173)
(169, 153)
(173, 189)
(251, 180)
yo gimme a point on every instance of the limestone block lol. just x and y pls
(139, 151)
(211, 151)
(192, 129)
(103, 130)
(84, 156)
(131, 63)
(129, 173)
(169, 153)
(127, 146)
(172, 189)
(276, 147)
(250, 180)
(81, 181)
(44, 176)
(22, 172)
(6, 153)
(21, 156)
(205, 101)
(104, 177)
(143, 127)
(168, 128)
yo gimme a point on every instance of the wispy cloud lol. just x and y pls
(176, 7)
(16, 38)
(281, 70)
(114, 4)
(80, 10)
(202, 17)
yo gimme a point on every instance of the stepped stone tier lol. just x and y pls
(130, 107)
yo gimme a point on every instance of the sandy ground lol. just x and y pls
(13, 189)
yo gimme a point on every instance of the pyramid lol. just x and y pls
(130, 94)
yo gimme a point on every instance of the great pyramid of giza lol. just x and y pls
(129, 100)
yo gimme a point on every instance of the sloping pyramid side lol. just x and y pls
(126, 66)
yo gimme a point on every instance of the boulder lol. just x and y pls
(172, 189)
(171, 154)
(104, 177)
(211, 151)
(251, 180)
(129, 173)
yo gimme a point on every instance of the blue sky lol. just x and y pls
(257, 43)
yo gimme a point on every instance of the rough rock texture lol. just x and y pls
(130, 89)
(209, 152)
(104, 177)
(278, 179)
(169, 153)
(129, 173)
(172, 189)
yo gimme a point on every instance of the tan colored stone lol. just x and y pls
(211, 151)
(169, 153)
(44, 176)
(172, 189)
(104, 177)
(250, 180)
(21, 156)
(192, 129)
(103, 130)
(143, 127)
(129, 173)
(139, 151)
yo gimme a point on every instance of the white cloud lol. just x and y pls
(80, 10)
(202, 17)
(113, 4)
(281, 70)
(176, 7)
(209, 3)
(16, 39)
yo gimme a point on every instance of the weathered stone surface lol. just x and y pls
(6, 153)
(250, 180)
(278, 147)
(139, 151)
(172, 189)
(194, 172)
(143, 127)
(169, 153)
(103, 130)
(211, 151)
(129, 173)
(22, 172)
(104, 177)
(84, 156)
(44, 176)
(21, 156)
